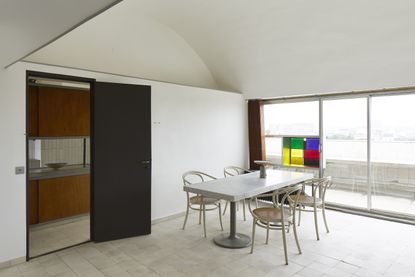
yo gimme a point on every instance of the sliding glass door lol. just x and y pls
(368, 146)
(393, 153)
(345, 150)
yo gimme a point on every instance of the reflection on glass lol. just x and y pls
(300, 118)
(72, 151)
(345, 150)
(393, 153)
(273, 149)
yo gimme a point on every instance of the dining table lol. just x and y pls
(240, 187)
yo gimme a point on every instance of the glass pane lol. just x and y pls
(299, 118)
(393, 153)
(68, 151)
(345, 150)
(273, 149)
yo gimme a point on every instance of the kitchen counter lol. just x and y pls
(49, 173)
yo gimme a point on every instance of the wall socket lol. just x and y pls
(19, 170)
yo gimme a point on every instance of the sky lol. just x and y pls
(396, 112)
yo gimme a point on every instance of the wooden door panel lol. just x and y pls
(33, 202)
(63, 112)
(33, 112)
(63, 197)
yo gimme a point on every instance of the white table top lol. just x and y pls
(247, 185)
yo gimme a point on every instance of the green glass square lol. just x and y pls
(286, 142)
(297, 143)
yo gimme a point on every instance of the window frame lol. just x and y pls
(368, 94)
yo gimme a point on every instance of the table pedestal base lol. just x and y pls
(233, 239)
(238, 241)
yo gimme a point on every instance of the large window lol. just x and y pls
(288, 119)
(345, 150)
(368, 146)
(393, 153)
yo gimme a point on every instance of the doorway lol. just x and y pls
(109, 183)
(58, 110)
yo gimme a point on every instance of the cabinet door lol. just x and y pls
(63, 112)
(33, 111)
(121, 166)
(63, 197)
(33, 202)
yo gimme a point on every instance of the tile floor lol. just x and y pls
(356, 246)
(59, 234)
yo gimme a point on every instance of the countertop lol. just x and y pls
(49, 173)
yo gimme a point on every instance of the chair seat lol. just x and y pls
(271, 214)
(203, 200)
(306, 200)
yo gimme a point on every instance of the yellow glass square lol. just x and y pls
(297, 156)
(297, 160)
(286, 156)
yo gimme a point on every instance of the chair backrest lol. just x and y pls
(234, 170)
(321, 184)
(286, 192)
(325, 184)
(192, 177)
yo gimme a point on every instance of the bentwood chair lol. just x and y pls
(315, 202)
(199, 202)
(279, 216)
(233, 171)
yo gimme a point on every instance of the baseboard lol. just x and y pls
(12, 262)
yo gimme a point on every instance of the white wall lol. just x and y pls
(193, 129)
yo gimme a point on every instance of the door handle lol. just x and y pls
(145, 163)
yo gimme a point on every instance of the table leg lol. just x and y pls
(233, 239)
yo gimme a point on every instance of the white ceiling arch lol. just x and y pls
(124, 41)
(26, 26)
(270, 48)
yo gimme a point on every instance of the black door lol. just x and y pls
(121, 161)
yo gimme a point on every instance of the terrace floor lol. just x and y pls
(379, 202)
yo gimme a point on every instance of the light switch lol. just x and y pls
(19, 170)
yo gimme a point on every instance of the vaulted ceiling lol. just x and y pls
(262, 48)
(25, 26)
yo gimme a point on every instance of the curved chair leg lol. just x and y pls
(323, 211)
(299, 215)
(253, 235)
(244, 209)
(296, 238)
(204, 219)
(284, 240)
(315, 222)
(220, 216)
(266, 241)
(185, 218)
(200, 214)
(226, 205)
